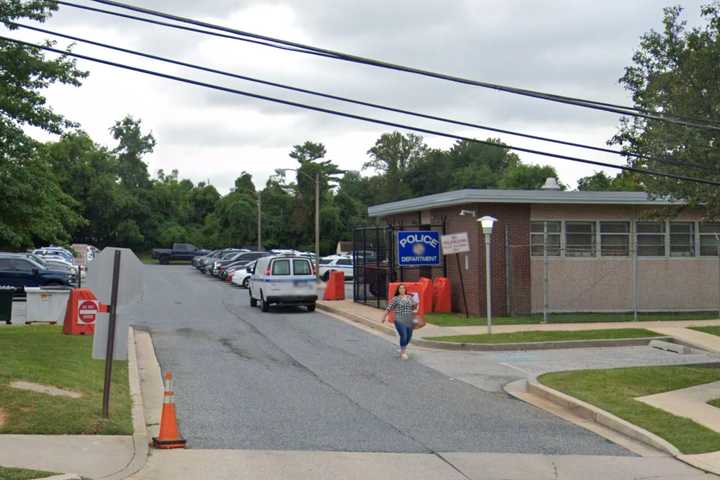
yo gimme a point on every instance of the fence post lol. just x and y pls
(546, 293)
(636, 279)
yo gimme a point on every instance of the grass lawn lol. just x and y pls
(42, 354)
(715, 403)
(22, 474)
(530, 337)
(459, 320)
(615, 390)
(710, 330)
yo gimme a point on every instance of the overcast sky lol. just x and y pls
(568, 47)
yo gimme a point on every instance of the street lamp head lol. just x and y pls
(487, 223)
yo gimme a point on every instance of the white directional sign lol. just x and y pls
(455, 243)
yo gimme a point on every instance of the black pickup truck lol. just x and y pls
(179, 251)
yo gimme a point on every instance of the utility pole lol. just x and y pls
(317, 224)
(259, 220)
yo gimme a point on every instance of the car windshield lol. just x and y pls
(37, 260)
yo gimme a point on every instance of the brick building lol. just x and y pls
(606, 251)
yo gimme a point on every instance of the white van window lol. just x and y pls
(281, 267)
(301, 267)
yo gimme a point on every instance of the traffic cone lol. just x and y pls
(169, 436)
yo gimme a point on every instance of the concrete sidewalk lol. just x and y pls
(675, 328)
(301, 465)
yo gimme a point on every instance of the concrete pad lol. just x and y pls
(291, 465)
(690, 403)
(703, 341)
(92, 456)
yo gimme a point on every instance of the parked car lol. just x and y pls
(24, 270)
(241, 276)
(179, 251)
(283, 280)
(336, 263)
(239, 260)
(55, 251)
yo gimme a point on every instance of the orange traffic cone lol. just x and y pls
(169, 436)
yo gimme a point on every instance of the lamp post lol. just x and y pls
(317, 214)
(487, 224)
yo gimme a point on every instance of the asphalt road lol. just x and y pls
(291, 380)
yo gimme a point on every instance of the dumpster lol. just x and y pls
(6, 299)
(46, 304)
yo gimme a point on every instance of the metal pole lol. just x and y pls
(110, 348)
(508, 272)
(259, 221)
(717, 246)
(462, 285)
(487, 284)
(317, 224)
(636, 279)
(546, 293)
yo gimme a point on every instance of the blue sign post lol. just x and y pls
(418, 248)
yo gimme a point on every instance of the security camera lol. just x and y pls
(467, 212)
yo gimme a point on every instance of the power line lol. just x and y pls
(356, 102)
(359, 117)
(303, 48)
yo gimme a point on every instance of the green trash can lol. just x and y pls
(6, 299)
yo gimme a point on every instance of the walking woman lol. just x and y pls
(405, 308)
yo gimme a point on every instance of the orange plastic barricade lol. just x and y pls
(335, 287)
(81, 312)
(422, 290)
(442, 299)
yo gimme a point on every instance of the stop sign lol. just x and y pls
(87, 312)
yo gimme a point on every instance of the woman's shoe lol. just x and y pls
(404, 356)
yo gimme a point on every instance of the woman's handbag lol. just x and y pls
(418, 322)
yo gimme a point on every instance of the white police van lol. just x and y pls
(283, 280)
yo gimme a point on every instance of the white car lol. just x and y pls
(336, 263)
(241, 277)
(283, 280)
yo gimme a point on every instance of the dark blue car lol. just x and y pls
(21, 270)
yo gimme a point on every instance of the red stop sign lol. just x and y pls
(87, 311)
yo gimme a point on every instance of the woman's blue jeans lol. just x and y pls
(405, 333)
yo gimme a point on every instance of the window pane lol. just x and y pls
(23, 266)
(536, 242)
(682, 239)
(537, 227)
(579, 227)
(708, 245)
(281, 267)
(651, 251)
(301, 267)
(615, 245)
(553, 227)
(344, 262)
(710, 228)
(614, 227)
(650, 227)
(5, 264)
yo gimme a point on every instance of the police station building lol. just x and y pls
(564, 251)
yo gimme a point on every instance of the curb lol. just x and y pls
(64, 476)
(140, 436)
(603, 419)
(479, 347)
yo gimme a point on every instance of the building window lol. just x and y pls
(682, 239)
(538, 230)
(579, 239)
(709, 238)
(650, 239)
(614, 239)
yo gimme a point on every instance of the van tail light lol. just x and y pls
(267, 271)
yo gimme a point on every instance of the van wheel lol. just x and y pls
(326, 276)
(311, 308)
(264, 306)
(253, 302)
(164, 260)
(246, 283)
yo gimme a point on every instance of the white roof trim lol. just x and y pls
(460, 197)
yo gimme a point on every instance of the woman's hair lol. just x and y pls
(397, 291)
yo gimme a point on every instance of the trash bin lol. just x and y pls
(6, 299)
(46, 304)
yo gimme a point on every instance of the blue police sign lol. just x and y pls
(418, 248)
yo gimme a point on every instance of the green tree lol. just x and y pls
(393, 156)
(677, 72)
(34, 208)
(601, 182)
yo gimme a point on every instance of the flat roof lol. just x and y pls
(460, 197)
